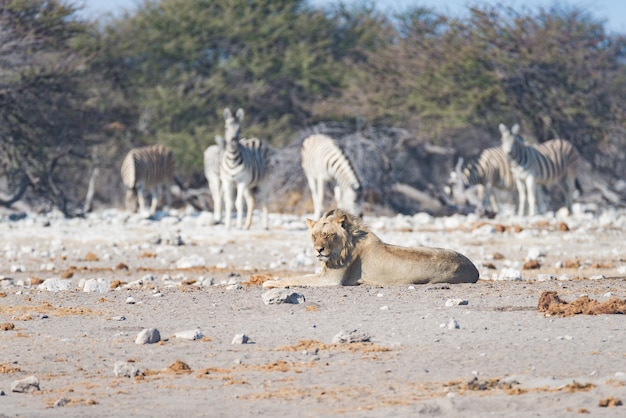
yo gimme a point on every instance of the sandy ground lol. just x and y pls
(504, 359)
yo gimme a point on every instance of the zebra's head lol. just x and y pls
(509, 137)
(232, 125)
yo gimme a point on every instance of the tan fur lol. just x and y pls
(351, 255)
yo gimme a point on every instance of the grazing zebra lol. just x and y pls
(323, 161)
(212, 161)
(150, 167)
(243, 167)
(553, 162)
(491, 169)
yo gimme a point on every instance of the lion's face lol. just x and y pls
(329, 238)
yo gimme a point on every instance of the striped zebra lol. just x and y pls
(212, 161)
(553, 162)
(242, 169)
(150, 167)
(323, 161)
(491, 169)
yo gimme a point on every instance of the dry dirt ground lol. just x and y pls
(505, 358)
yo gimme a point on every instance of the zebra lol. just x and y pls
(150, 167)
(323, 161)
(212, 162)
(243, 167)
(553, 162)
(491, 169)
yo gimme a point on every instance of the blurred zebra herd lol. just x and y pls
(238, 168)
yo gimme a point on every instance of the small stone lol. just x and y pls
(118, 318)
(240, 339)
(453, 324)
(61, 402)
(148, 336)
(278, 296)
(130, 300)
(456, 302)
(194, 334)
(125, 369)
(509, 274)
(354, 336)
(26, 385)
(96, 286)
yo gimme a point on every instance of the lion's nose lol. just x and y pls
(319, 250)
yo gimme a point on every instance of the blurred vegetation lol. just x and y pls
(76, 95)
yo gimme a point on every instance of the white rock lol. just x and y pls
(26, 385)
(125, 369)
(240, 339)
(98, 285)
(453, 324)
(55, 285)
(456, 302)
(130, 300)
(354, 336)
(148, 336)
(193, 334)
(509, 274)
(535, 253)
(278, 296)
(190, 262)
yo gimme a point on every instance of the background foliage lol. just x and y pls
(76, 94)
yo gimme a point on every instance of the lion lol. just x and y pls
(352, 255)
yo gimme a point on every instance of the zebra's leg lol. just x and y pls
(521, 197)
(339, 197)
(168, 196)
(140, 197)
(228, 189)
(243, 191)
(531, 191)
(318, 203)
(264, 194)
(155, 199)
(569, 186)
(313, 186)
(216, 194)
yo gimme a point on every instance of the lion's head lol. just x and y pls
(335, 235)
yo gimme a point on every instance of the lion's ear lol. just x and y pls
(342, 220)
(310, 224)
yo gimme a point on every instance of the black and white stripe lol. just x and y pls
(553, 162)
(150, 167)
(243, 168)
(491, 169)
(324, 161)
(212, 162)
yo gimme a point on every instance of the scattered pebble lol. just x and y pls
(26, 385)
(194, 334)
(130, 300)
(354, 336)
(61, 402)
(453, 324)
(148, 336)
(456, 302)
(240, 339)
(278, 296)
(125, 369)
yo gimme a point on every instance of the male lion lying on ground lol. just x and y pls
(351, 255)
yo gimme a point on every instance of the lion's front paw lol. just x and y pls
(270, 284)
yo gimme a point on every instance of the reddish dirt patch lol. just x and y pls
(552, 305)
(7, 326)
(609, 402)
